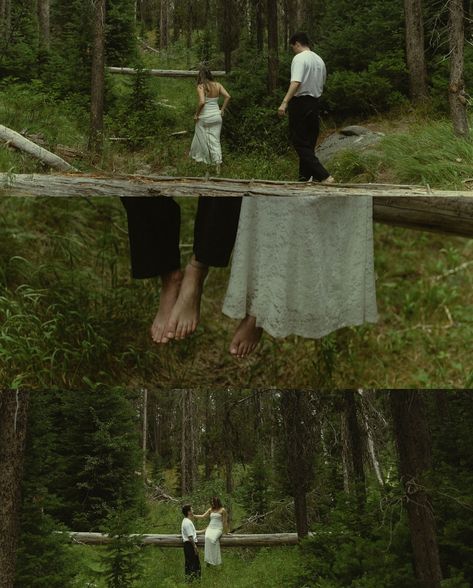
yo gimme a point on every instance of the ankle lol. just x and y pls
(172, 278)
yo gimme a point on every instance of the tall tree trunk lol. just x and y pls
(43, 22)
(163, 24)
(273, 59)
(414, 448)
(98, 78)
(457, 94)
(5, 20)
(370, 440)
(188, 447)
(298, 434)
(259, 24)
(13, 419)
(415, 55)
(353, 449)
(145, 431)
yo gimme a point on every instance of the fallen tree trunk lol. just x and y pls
(160, 73)
(19, 142)
(413, 207)
(229, 540)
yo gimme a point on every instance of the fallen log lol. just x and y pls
(161, 73)
(228, 540)
(19, 142)
(415, 207)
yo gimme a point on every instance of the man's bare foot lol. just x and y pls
(246, 337)
(171, 283)
(329, 180)
(186, 311)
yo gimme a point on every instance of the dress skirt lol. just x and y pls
(303, 265)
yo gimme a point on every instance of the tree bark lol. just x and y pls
(370, 440)
(259, 25)
(13, 421)
(5, 20)
(23, 144)
(298, 441)
(233, 540)
(457, 94)
(415, 55)
(188, 453)
(416, 208)
(414, 449)
(353, 450)
(43, 22)
(273, 58)
(98, 78)
(163, 24)
(161, 73)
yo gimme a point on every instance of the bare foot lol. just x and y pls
(171, 283)
(246, 337)
(329, 180)
(186, 311)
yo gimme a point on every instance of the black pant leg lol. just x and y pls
(304, 128)
(191, 562)
(215, 229)
(153, 231)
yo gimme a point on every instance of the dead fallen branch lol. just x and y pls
(23, 144)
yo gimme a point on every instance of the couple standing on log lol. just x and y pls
(301, 266)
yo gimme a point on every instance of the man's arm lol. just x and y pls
(293, 87)
(194, 544)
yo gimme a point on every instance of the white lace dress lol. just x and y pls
(212, 539)
(205, 145)
(304, 265)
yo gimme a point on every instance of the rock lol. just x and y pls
(353, 137)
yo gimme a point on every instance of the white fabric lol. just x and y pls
(303, 265)
(205, 146)
(309, 69)
(212, 539)
(188, 530)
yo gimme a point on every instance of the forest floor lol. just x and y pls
(74, 317)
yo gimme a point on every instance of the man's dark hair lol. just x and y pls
(186, 509)
(300, 37)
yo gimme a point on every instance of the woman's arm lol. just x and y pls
(226, 98)
(201, 94)
(202, 516)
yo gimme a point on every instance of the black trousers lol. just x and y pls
(154, 229)
(304, 128)
(192, 562)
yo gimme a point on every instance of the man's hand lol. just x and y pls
(282, 108)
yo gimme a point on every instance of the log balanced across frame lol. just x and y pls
(228, 540)
(416, 207)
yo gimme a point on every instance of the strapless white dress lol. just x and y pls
(212, 539)
(205, 146)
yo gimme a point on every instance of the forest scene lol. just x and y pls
(72, 314)
(365, 478)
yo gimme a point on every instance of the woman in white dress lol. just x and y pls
(301, 266)
(217, 526)
(205, 145)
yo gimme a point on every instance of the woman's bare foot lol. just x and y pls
(171, 284)
(186, 311)
(246, 337)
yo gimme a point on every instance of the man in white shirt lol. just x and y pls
(189, 539)
(308, 76)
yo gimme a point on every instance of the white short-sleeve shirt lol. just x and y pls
(188, 530)
(308, 68)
